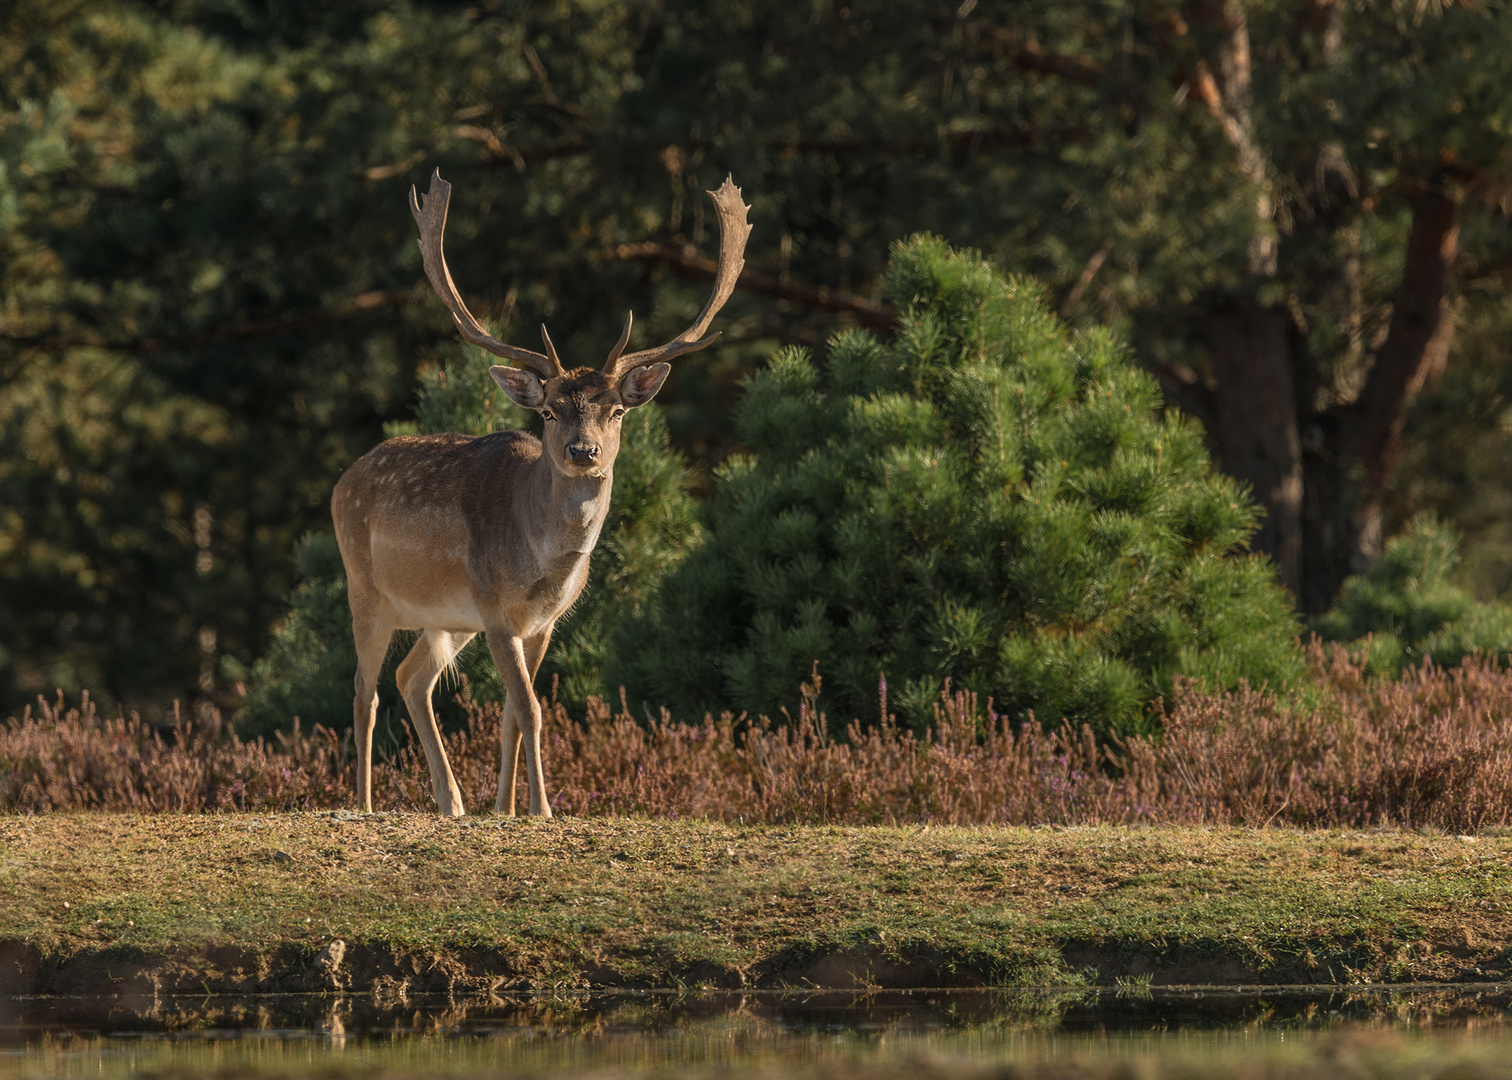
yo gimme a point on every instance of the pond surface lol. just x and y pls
(1401, 1031)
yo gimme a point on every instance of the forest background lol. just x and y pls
(1294, 212)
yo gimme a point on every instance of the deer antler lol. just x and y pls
(733, 232)
(432, 221)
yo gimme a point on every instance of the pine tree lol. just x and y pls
(1406, 609)
(986, 498)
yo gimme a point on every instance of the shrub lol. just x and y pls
(308, 669)
(1405, 609)
(987, 498)
(55, 758)
(1432, 749)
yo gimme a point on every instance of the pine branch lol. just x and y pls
(520, 157)
(1182, 388)
(974, 139)
(1083, 282)
(685, 260)
(1030, 56)
(357, 305)
(1229, 103)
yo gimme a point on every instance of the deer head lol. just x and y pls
(582, 409)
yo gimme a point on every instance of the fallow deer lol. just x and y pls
(456, 536)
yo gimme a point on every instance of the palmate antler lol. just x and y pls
(431, 217)
(733, 233)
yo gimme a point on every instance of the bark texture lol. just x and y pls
(1320, 471)
(1255, 428)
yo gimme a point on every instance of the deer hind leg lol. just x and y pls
(371, 631)
(509, 760)
(517, 661)
(417, 677)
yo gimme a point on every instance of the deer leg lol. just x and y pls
(509, 655)
(371, 633)
(509, 758)
(417, 677)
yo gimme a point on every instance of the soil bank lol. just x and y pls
(390, 904)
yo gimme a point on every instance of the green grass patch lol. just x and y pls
(651, 903)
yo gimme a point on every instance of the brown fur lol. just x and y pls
(456, 536)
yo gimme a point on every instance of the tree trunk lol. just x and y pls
(1324, 507)
(1255, 424)
(1323, 511)
(1412, 357)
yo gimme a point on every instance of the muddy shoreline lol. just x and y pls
(394, 974)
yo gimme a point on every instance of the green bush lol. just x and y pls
(308, 668)
(1405, 609)
(986, 498)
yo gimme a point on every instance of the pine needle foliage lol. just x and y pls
(986, 498)
(307, 671)
(1405, 609)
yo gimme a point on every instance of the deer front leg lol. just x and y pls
(522, 717)
(509, 757)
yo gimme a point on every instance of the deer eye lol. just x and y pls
(616, 413)
(547, 414)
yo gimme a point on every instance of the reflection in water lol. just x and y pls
(826, 1031)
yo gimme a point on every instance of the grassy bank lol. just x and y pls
(242, 902)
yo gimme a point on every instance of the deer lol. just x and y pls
(455, 536)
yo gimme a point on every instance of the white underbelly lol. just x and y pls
(451, 613)
(425, 583)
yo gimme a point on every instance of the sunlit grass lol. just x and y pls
(491, 902)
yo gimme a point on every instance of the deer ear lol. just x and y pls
(521, 387)
(641, 384)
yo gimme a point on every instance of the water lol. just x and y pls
(1401, 1031)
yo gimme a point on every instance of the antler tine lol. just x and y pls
(551, 353)
(624, 339)
(431, 217)
(734, 230)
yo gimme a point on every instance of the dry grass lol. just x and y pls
(1430, 750)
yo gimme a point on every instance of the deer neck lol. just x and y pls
(575, 506)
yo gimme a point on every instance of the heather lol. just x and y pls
(1430, 749)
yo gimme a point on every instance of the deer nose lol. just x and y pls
(582, 453)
